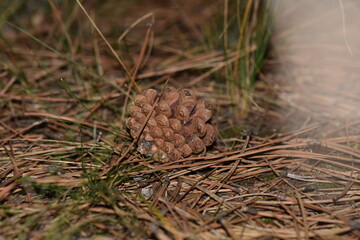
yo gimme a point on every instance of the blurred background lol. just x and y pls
(268, 65)
(318, 49)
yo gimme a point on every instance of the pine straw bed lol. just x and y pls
(284, 186)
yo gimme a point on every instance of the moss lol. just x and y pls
(328, 185)
(268, 177)
(232, 132)
(268, 221)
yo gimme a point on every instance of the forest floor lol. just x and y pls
(285, 167)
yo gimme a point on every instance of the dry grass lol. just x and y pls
(68, 169)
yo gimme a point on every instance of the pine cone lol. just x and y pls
(177, 127)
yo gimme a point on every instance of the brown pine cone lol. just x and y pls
(177, 127)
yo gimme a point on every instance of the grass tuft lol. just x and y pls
(243, 38)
